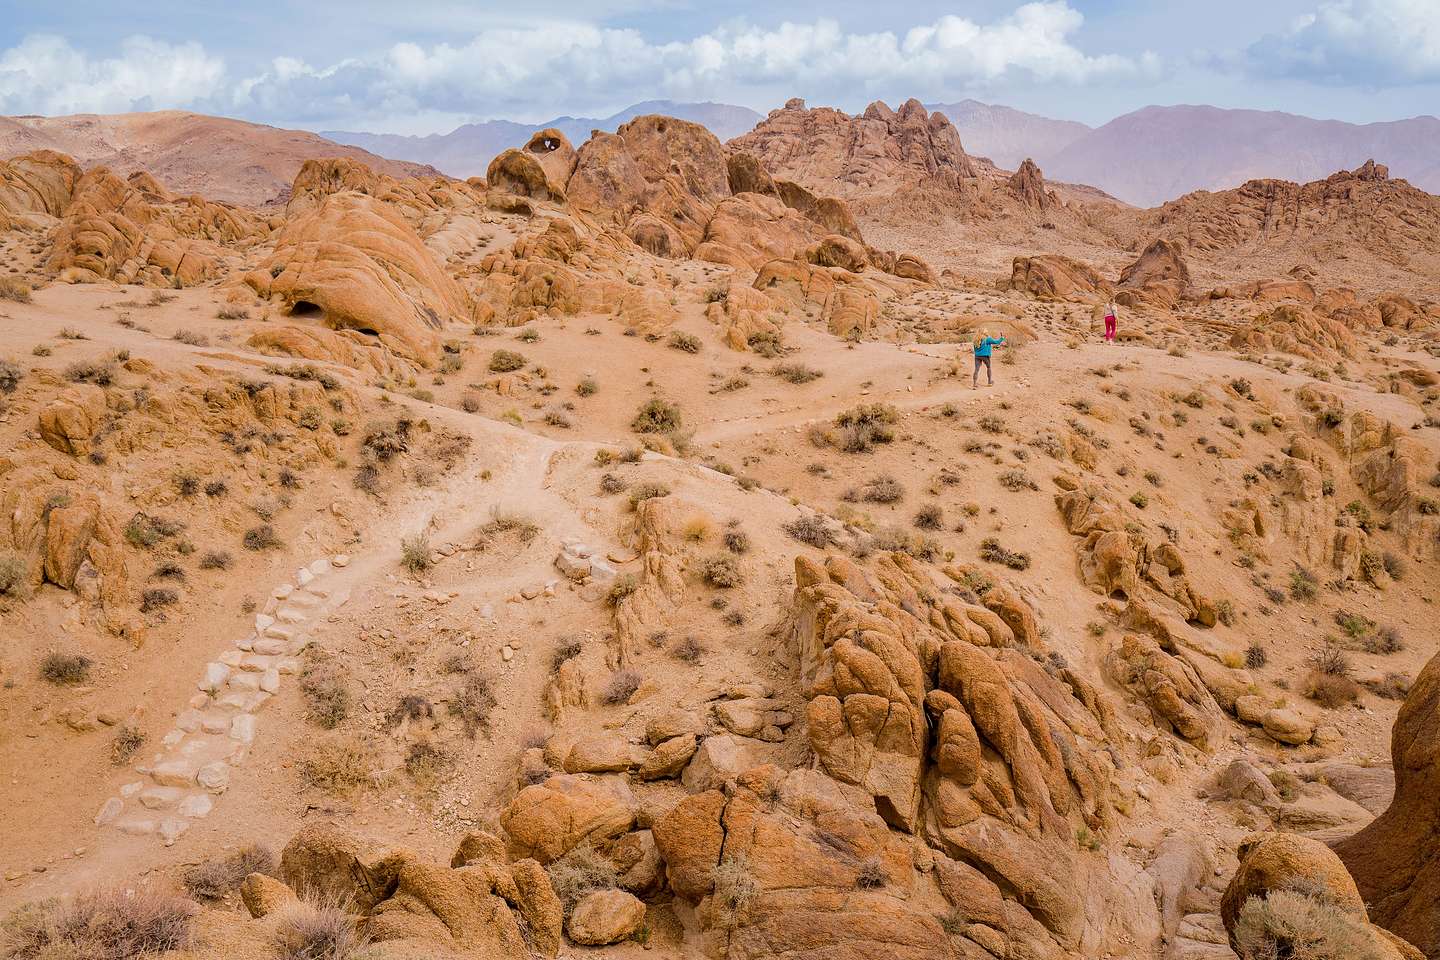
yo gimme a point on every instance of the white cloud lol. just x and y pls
(1369, 43)
(536, 70)
(45, 74)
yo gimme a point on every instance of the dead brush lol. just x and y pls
(109, 924)
(316, 930)
(217, 879)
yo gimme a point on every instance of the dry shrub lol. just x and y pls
(339, 765)
(698, 528)
(811, 530)
(1330, 690)
(991, 550)
(217, 879)
(472, 704)
(113, 924)
(326, 694)
(10, 376)
(882, 489)
(646, 490)
(721, 570)
(316, 931)
(415, 553)
(657, 415)
(506, 361)
(1289, 925)
(735, 884)
(126, 743)
(688, 650)
(564, 652)
(578, 874)
(621, 687)
(1392, 686)
(14, 290)
(65, 668)
(871, 875)
(504, 522)
(425, 762)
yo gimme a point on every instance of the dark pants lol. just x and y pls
(989, 375)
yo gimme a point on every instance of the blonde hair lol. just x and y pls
(980, 336)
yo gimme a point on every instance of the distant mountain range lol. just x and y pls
(467, 150)
(1160, 153)
(1008, 136)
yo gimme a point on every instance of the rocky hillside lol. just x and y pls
(467, 150)
(622, 554)
(223, 159)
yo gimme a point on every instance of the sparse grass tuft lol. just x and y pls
(311, 931)
(339, 765)
(415, 553)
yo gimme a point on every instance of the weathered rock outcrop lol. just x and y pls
(1298, 330)
(931, 706)
(829, 151)
(1120, 559)
(786, 865)
(1278, 864)
(1160, 277)
(1393, 860)
(479, 906)
(355, 263)
(1057, 277)
(137, 232)
(40, 183)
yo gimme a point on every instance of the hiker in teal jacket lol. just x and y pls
(982, 345)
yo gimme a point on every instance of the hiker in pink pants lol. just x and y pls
(1110, 322)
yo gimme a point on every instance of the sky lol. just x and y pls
(426, 66)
